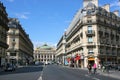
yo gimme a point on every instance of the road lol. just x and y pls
(54, 72)
(51, 72)
(23, 73)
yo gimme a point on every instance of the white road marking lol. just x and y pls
(40, 78)
(87, 75)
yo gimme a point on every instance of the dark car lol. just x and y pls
(9, 67)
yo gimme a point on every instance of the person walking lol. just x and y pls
(94, 67)
(89, 68)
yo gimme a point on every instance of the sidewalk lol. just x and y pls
(112, 73)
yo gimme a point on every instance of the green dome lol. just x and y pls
(45, 46)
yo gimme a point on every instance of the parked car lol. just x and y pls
(9, 67)
(38, 63)
(118, 67)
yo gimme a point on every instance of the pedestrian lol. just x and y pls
(26, 64)
(99, 67)
(103, 68)
(89, 68)
(94, 67)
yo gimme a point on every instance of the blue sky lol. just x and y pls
(46, 20)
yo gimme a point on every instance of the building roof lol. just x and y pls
(46, 47)
(90, 4)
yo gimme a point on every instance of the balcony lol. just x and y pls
(113, 53)
(91, 44)
(90, 53)
(100, 32)
(118, 46)
(90, 33)
(101, 51)
(113, 44)
(87, 22)
(107, 42)
(102, 42)
(12, 33)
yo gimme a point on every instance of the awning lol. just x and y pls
(91, 59)
(77, 57)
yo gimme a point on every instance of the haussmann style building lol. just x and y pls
(20, 49)
(44, 54)
(3, 33)
(92, 36)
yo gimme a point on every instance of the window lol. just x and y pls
(13, 31)
(90, 39)
(89, 29)
(89, 21)
(13, 39)
(90, 51)
(89, 12)
(38, 55)
(12, 54)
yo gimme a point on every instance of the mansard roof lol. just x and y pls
(45, 46)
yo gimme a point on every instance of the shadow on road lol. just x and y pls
(24, 69)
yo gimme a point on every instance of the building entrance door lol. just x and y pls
(91, 60)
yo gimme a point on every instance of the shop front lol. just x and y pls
(77, 60)
(91, 60)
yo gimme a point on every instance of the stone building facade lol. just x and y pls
(20, 49)
(94, 35)
(3, 33)
(44, 54)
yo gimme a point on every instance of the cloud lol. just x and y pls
(115, 4)
(23, 15)
(10, 0)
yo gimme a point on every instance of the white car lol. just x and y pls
(37, 63)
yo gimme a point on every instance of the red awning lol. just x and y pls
(77, 58)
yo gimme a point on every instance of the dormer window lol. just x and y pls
(89, 12)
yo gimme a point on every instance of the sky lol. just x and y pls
(46, 20)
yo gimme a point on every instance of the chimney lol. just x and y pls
(116, 12)
(85, 2)
(107, 7)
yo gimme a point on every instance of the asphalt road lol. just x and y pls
(51, 72)
(23, 73)
(54, 72)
